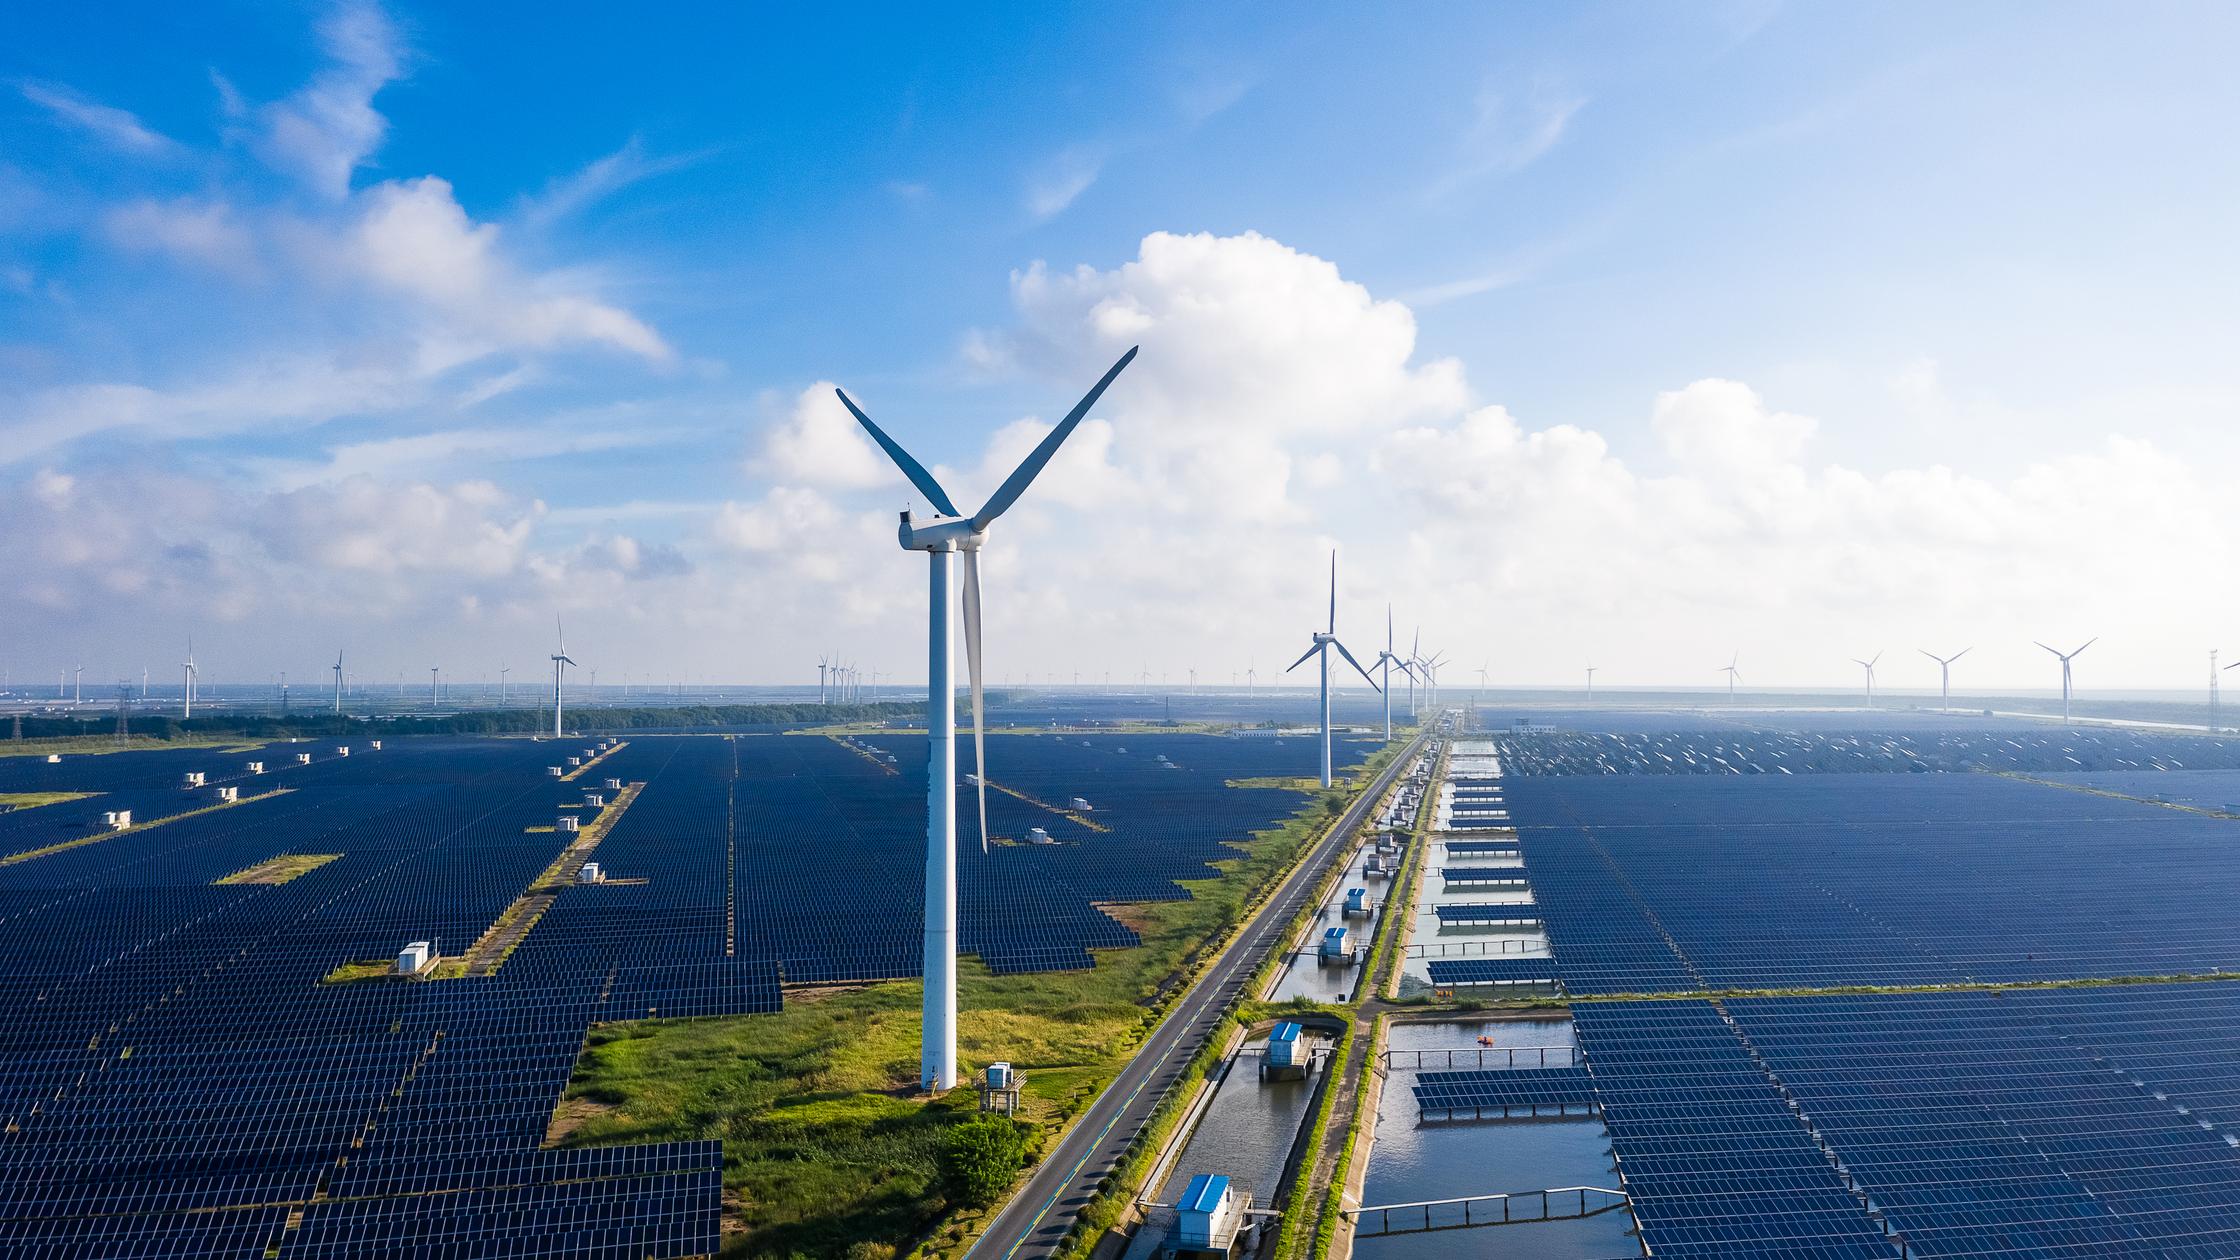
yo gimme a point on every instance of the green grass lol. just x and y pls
(96, 745)
(827, 1152)
(278, 870)
(33, 800)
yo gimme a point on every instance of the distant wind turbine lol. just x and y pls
(1324, 640)
(1733, 671)
(338, 680)
(2065, 658)
(1868, 665)
(187, 678)
(948, 534)
(1944, 673)
(560, 663)
(1386, 659)
(1590, 684)
(2213, 679)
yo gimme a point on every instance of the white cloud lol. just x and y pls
(326, 129)
(819, 444)
(117, 128)
(193, 229)
(1061, 180)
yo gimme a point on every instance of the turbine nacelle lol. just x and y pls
(942, 533)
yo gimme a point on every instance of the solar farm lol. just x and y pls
(1878, 992)
(206, 1054)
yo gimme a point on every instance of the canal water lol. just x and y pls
(1430, 939)
(1411, 1162)
(1247, 1131)
(1305, 975)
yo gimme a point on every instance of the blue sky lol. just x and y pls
(1641, 331)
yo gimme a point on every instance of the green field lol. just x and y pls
(827, 1150)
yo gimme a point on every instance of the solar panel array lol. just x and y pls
(176, 1080)
(1796, 752)
(2023, 1123)
(1661, 884)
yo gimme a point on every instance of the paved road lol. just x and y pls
(1036, 1219)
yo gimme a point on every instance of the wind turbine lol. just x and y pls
(1385, 661)
(946, 535)
(1590, 684)
(1733, 672)
(338, 680)
(1481, 696)
(560, 663)
(1944, 672)
(503, 670)
(1415, 660)
(2065, 659)
(1324, 640)
(187, 679)
(78, 686)
(435, 694)
(1869, 667)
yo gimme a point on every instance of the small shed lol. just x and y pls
(303, 759)
(194, 778)
(1357, 903)
(342, 750)
(414, 958)
(374, 744)
(54, 759)
(614, 785)
(116, 819)
(1207, 1215)
(567, 822)
(1337, 944)
(591, 873)
(1080, 804)
(254, 767)
(227, 795)
(554, 771)
(1039, 835)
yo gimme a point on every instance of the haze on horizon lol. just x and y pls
(1619, 335)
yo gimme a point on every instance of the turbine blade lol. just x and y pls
(1962, 652)
(1356, 664)
(911, 468)
(1021, 477)
(1333, 627)
(2044, 646)
(2087, 643)
(972, 674)
(1303, 659)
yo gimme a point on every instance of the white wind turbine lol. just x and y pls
(2213, 677)
(1590, 684)
(947, 534)
(1944, 673)
(338, 680)
(1869, 667)
(2065, 658)
(188, 675)
(560, 663)
(1324, 640)
(1386, 659)
(1733, 671)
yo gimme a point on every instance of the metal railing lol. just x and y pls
(1472, 949)
(1565, 1203)
(1480, 1057)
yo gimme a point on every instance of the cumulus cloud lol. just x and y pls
(818, 443)
(415, 239)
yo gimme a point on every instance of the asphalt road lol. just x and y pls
(1036, 1219)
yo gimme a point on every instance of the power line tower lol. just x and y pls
(124, 708)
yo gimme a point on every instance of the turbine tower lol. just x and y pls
(338, 680)
(1590, 684)
(1733, 672)
(560, 663)
(2065, 658)
(1324, 640)
(1385, 661)
(78, 686)
(947, 534)
(2213, 690)
(187, 677)
(435, 694)
(1944, 672)
(1869, 667)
